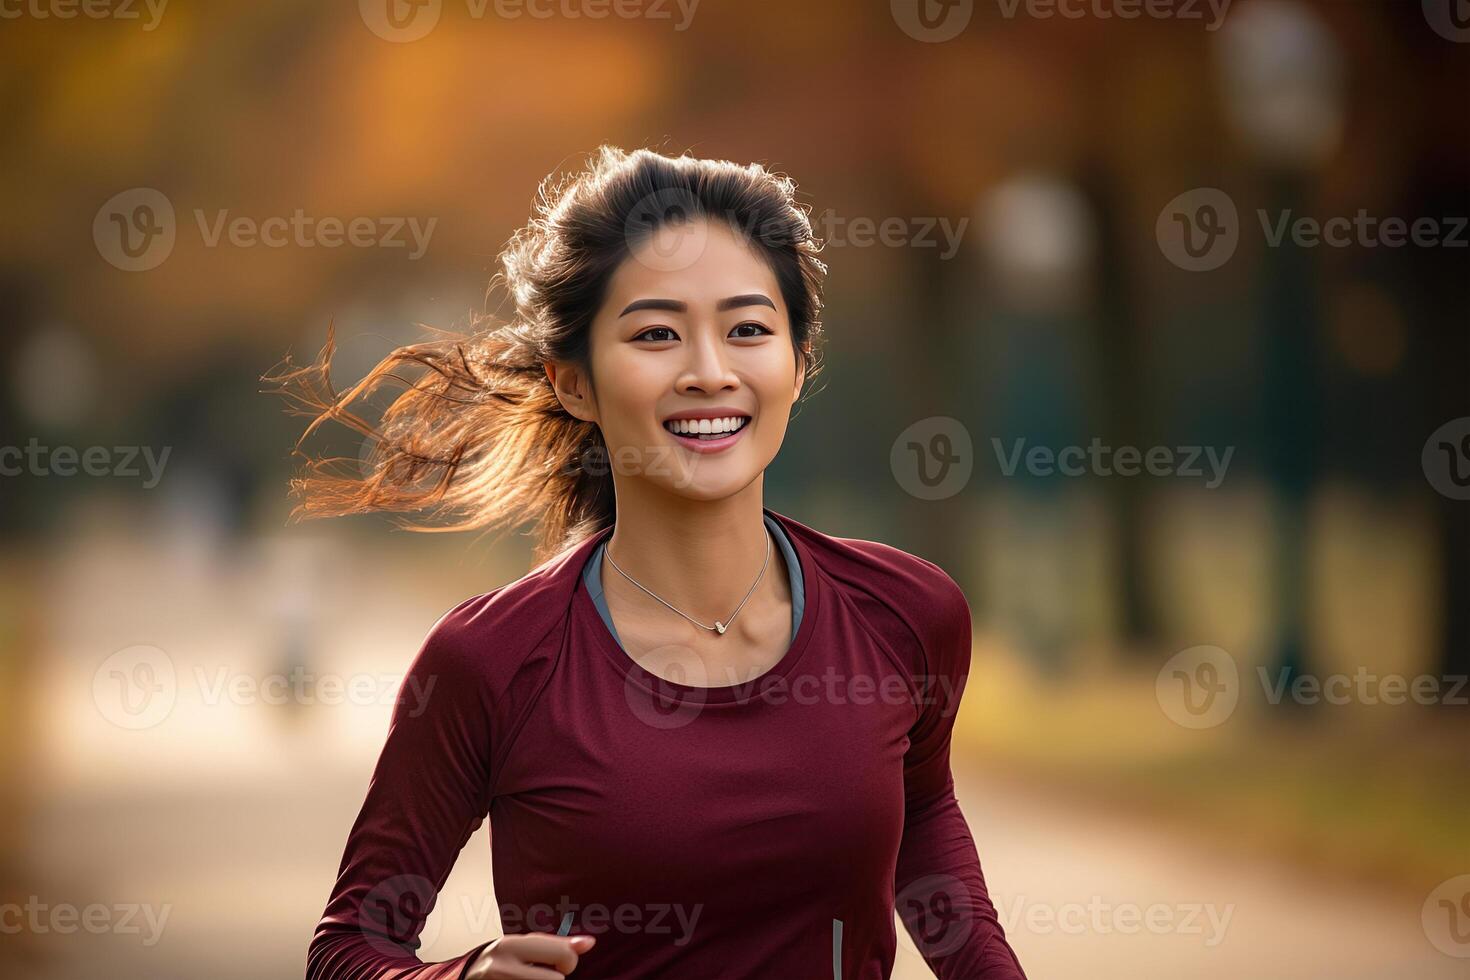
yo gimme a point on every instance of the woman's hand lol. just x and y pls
(529, 956)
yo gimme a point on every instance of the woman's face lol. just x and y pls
(693, 328)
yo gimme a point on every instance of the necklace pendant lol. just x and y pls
(719, 626)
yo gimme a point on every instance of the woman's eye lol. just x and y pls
(657, 334)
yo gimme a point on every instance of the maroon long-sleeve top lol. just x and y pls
(767, 828)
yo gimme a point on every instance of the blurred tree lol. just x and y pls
(1440, 298)
(1119, 358)
(1292, 319)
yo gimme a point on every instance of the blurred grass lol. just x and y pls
(1379, 794)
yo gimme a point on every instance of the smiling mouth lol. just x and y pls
(707, 430)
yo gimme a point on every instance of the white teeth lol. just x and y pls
(705, 426)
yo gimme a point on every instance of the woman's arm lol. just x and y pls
(940, 890)
(429, 792)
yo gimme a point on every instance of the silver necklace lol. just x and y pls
(719, 627)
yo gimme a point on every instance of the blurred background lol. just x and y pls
(1150, 323)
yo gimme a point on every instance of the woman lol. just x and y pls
(711, 740)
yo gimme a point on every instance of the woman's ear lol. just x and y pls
(569, 382)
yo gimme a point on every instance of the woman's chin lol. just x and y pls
(707, 481)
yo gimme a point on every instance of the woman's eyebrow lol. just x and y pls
(748, 299)
(677, 306)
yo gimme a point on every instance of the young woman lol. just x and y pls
(712, 742)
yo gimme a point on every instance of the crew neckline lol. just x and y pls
(750, 687)
(592, 578)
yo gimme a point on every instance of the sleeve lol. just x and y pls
(430, 791)
(940, 890)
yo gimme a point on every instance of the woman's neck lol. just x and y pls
(700, 556)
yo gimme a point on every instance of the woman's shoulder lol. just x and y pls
(875, 566)
(494, 634)
(887, 583)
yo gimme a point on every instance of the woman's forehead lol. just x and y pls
(699, 268)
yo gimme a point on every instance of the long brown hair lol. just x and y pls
(477, 438)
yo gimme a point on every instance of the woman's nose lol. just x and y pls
(709, 367)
